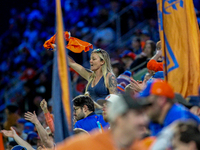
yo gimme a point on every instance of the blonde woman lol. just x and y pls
(101, 81)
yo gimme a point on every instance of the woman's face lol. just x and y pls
(95, 62)
(148, 50)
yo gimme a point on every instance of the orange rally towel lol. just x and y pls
(154, 65)
(74, 44)
(48, 43)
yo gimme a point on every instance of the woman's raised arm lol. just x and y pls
(78, 68)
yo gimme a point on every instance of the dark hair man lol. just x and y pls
(127, 119)
(84, 114)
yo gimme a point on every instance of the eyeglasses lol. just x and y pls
(75, 109)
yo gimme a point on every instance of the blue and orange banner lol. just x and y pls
(62, 98)
(180, 38)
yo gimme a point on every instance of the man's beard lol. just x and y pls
(105, 118)
(81, 116)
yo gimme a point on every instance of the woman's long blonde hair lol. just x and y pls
(106, 67)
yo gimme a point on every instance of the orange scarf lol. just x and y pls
(74, 44)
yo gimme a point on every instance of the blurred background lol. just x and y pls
(26, 67)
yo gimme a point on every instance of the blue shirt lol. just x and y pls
(176, 112)
(90, 122)
(99, 91)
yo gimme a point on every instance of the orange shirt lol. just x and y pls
(96, 141)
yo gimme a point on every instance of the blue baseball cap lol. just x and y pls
(28, 127)
(128, 53)
(32, 135)
(159, 75)
(22, 120)
(157, 87)
(19, 147)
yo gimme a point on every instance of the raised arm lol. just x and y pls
(111, 83)
(157, 55)
(48, 143)
(154, 66)
(48, 118)
(20, 141)
(78, 68)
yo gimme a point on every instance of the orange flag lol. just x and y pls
(179, 34)
(74, 44)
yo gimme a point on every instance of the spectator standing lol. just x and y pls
(101, 81)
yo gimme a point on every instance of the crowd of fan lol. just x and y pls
(22, 45)
(170, 117)
(23, 54)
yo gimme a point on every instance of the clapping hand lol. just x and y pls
(9, 133)
(137, 85)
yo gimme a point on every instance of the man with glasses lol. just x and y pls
(84, 114)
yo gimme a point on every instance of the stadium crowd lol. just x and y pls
(131, 107)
